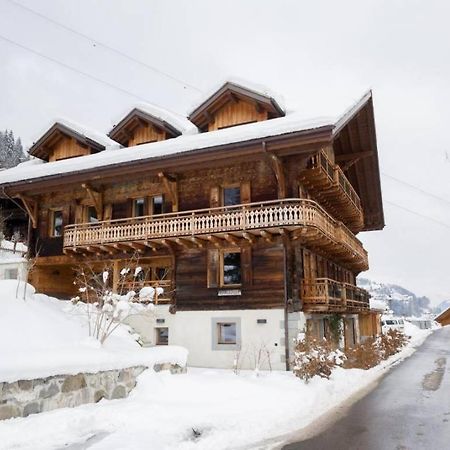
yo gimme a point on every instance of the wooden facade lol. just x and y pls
(268, 223)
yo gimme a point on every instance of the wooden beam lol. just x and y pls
(31, 206)
(171, 187)
(232, 239)
(215, 240)
(350, 156)
(249, 237)
(151, 245)
(121, 247)
(97, 198)
(267, 236)
(277, 166)
(136, 246)
(185, 243)
(199, 242)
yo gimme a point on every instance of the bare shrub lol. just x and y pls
(363, 356)
(315, 357)
(373, 351)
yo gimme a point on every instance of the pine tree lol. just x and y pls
(11, 150)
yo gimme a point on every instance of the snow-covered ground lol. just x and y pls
(42, 336)
(203, 409)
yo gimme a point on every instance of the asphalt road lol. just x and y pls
(408, 410)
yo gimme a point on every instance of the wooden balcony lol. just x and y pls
(325, 295)
(330, 186)
(231, 225)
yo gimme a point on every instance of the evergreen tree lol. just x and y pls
(11, 150)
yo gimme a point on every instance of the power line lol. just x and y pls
(412, 186)
(424, 216)
(74, 69)
(108, 47)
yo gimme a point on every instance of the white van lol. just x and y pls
(391, 323)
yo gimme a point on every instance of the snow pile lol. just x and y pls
(179, 122)
(42, 336)
(84, 131)
(202, 410)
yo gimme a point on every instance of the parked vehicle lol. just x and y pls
(391, 323)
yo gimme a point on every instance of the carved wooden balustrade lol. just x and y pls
(306, 219)
(325, 295)
(329, 184)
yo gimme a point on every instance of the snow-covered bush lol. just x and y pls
(391, 343)
(315, 357)
(107, 307)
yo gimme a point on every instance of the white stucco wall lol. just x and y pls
(195, 330)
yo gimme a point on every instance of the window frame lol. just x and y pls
(222, 253)
(133, 206)
(220, 326)
(158, 335)
(215, 345)
(151, 205)
(230, 186)
(51, 224)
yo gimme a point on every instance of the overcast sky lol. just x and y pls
(320, 55)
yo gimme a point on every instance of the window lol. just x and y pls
(231, 268)
(11, 274)
(139, 207)
(56, 223)
(162, 336)
(226, 333)
(91, 214)
(231, 195)
(157, 204)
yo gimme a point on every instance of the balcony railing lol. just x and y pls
(325, 295)
(246, 219)
(330, 182)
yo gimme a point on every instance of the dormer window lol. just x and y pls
(234, 104)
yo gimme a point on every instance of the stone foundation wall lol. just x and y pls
(25, 397)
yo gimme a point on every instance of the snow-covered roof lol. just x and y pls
(244, 84)
(182, 144)
(350, 112)
(177, 121)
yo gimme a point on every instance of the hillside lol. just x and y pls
(398, 299)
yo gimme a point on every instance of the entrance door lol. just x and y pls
(350, 334)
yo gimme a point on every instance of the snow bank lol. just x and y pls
(42, 336)
(228, 410)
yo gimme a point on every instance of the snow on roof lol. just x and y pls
(178, 145)
(179, 122)
(350, 112)
(245, 84)
(86, 132)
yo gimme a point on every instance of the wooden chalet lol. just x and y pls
(444, 317)
(246, 216)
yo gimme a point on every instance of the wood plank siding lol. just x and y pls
(68, 148)
(235, 113)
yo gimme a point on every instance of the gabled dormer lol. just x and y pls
(65, 140)
(148, 123)
(235, 104)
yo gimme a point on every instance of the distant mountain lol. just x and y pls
(398, 299)
(442, 306)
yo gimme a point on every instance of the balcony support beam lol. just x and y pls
(31, 206)
(97, 199)
(171, 187)
(277, 166)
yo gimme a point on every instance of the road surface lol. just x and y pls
(408, 410)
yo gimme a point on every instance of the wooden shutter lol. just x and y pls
(245, 192)
(44, 225)
(213, 267)
(79, 214)
(246, 265)
(107, 211)
(214, 197)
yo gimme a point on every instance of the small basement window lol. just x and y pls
(56, 223)
(231, 268)
(162, 336)
(11, 274)
(226, 333)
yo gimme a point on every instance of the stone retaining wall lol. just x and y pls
(25, 397)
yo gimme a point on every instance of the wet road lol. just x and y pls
(408, 410)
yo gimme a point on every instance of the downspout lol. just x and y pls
(286, 305)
